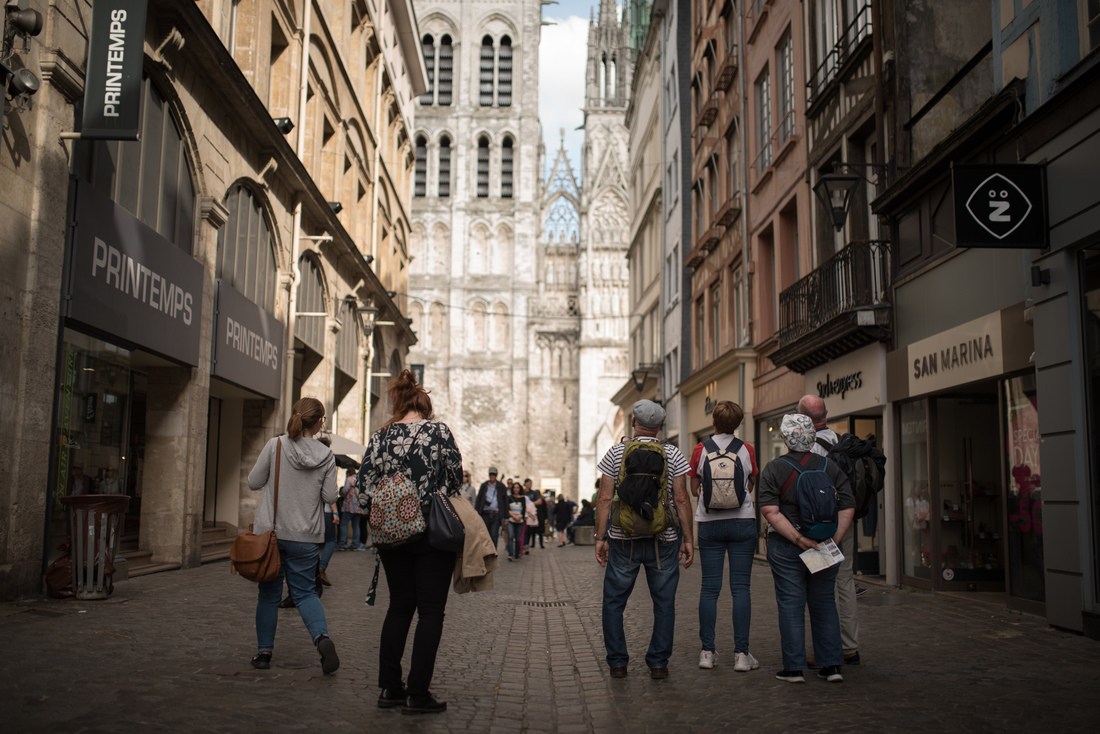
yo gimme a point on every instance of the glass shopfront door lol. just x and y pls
(969, 510)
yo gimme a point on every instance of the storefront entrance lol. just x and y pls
(971, 491)
(100, 428)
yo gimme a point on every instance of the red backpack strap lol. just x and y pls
(795, 471)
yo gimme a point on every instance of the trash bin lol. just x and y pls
(95, 525)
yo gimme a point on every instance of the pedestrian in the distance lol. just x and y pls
(307, 481)
(418, 576)
(517, 515)
(563, 517)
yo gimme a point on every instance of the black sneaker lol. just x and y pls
(262, 661)
(790, 676)
(831, 673)
(392, 698)
(330, 663)
(423, 705)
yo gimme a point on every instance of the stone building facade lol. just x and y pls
(231, 260)
(517, 281)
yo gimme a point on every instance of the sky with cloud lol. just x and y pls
(563, 53)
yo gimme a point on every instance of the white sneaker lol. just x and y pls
(743, 662)
(708, 659)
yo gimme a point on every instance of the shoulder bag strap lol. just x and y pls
(796, 469)
(278, 466)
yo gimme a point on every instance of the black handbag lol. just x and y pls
(445, 529)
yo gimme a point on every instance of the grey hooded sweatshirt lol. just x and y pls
(307, 482)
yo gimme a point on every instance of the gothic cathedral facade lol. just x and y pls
(517, 286)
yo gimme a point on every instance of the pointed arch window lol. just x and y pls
(150, 177)
(507, 165)
(444, 167)
(439, 62)
(485, 72)
(446, 66)
(504, 73)
(347, 341)
(428, 45)
(478, 327)
(246, 249)
(420, 182)
(482, 167)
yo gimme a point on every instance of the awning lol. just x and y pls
(348, 450)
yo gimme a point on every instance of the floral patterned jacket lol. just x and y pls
(425, 451)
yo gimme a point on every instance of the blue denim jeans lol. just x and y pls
(349, 536)
(298, 566)
(795, 588)
(662, 573)
(492, 524)
(735, 538)
(515, 539)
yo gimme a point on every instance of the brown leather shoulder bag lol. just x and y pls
(256, 557)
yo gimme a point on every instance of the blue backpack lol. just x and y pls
(814, 496)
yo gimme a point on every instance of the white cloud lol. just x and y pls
(563, 54)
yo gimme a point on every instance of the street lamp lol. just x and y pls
(835, 191)
(640, 375)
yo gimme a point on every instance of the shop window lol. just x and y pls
(151, 177)
(246, 249)
(916, 497)
(1026, 571)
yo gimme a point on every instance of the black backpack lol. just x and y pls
(864, 465)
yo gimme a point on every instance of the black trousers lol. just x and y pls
(418, 577)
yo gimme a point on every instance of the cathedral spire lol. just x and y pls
(610, 66)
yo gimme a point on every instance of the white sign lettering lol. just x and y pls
(124, 273)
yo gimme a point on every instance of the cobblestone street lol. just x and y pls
(170, 652)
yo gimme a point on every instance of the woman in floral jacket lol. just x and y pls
(418, 576)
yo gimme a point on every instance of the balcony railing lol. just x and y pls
(858, 29)
(855, 279)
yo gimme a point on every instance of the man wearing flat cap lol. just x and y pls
(491, 504)
(623, 553)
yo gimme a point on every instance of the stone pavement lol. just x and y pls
(169, 652)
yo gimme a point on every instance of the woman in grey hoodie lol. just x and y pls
(307, 482)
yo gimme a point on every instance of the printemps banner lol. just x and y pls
(112, 89)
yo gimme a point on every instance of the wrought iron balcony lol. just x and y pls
(838, 308)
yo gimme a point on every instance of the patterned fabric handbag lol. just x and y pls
(395, 513)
